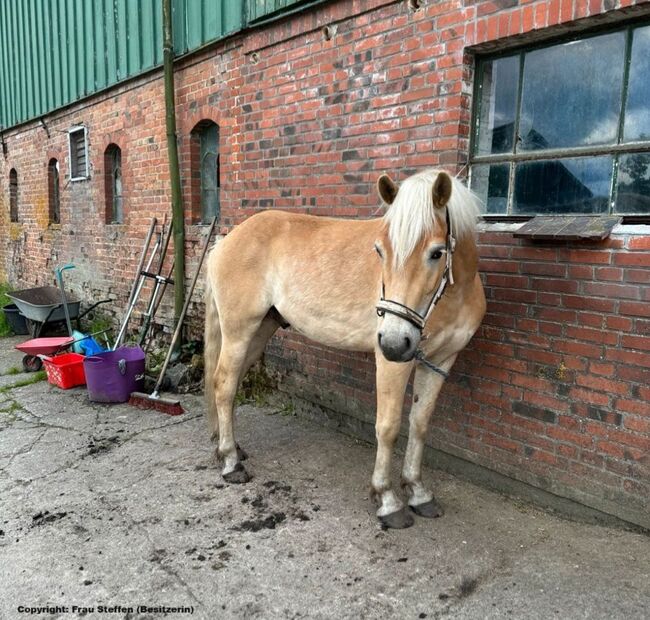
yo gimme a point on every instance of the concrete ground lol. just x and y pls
(116, 507)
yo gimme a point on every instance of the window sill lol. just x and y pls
(568, 227)
(625, 228)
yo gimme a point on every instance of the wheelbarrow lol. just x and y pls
(43, 305)
(37, 348)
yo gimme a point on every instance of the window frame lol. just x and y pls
(71, 130)
(54, 191)
(513, 158)
(112, 153)
(14, 215)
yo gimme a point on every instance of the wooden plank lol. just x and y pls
(569, 227)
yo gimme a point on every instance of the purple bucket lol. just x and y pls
(113, 375)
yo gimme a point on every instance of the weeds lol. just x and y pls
(5, 330)
(255, 387)
(35, 378)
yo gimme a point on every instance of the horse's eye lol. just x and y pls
(378, 250)
(435, 255)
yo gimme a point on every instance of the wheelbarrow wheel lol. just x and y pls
(32, 363)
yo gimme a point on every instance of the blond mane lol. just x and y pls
(412, 214)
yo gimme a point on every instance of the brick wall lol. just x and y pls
(553, 389)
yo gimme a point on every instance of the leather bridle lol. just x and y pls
(389, 306)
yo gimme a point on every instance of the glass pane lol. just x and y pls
(578, 185)
(490, 183)
(637, 111)
(572, 93)
(497, 105)
(633, 183)
(209, 172)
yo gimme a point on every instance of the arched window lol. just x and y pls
(205, 171)
(53, 194)
(113, 184)
(13, 195)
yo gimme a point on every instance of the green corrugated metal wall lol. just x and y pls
(53, 52)
(261, 8)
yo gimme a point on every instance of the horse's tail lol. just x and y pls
(211, 349)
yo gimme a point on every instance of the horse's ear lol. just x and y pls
(387, 189)
(441, 190)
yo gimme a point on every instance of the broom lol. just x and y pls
(154, 400)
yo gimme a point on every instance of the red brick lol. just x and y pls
(592, 335)
(615, 291)
(610, 273)
(636, 342)
(637, 423)
(531, 253)
(632, 259)
(585, 256)
(634, 308)
(633, 406)
(639, 243)
(589, 303)
(601, 384)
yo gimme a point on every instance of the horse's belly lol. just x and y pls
(352, 331)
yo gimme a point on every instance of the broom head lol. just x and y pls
(150, 401)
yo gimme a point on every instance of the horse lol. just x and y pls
(404, 286)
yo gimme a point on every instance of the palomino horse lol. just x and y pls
(387, 285)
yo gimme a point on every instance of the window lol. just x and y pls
(53, 194)
(113, 184)
(78, 154)
(13, 195)
(205, 170)
(565, 128)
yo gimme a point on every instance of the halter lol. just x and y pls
(412, 316)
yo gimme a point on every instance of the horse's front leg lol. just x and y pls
(391, 384)
(426, 387)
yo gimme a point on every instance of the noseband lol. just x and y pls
(389, 306)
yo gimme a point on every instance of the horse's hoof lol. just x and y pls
(397, 520)
(241, 454)
(430, 509)
(239, 475)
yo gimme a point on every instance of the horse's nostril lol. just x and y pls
(407, 341)
(379, 338)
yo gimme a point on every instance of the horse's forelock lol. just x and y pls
(413, 215)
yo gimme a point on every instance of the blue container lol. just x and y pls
(113, 375)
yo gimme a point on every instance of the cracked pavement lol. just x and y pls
(114, 506)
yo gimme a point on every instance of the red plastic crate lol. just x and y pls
(65, 371)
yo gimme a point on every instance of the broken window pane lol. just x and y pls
(497, 106)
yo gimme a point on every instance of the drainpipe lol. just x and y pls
(174, 171)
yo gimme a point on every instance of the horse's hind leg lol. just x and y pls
(426, 387)
(391, 385)
(237, 355)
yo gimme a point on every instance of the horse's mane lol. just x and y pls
(412, 214)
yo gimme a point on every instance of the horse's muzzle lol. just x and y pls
(398, 349)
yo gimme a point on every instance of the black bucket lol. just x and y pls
(17, 322)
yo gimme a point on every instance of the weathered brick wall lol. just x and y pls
(553, 389)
